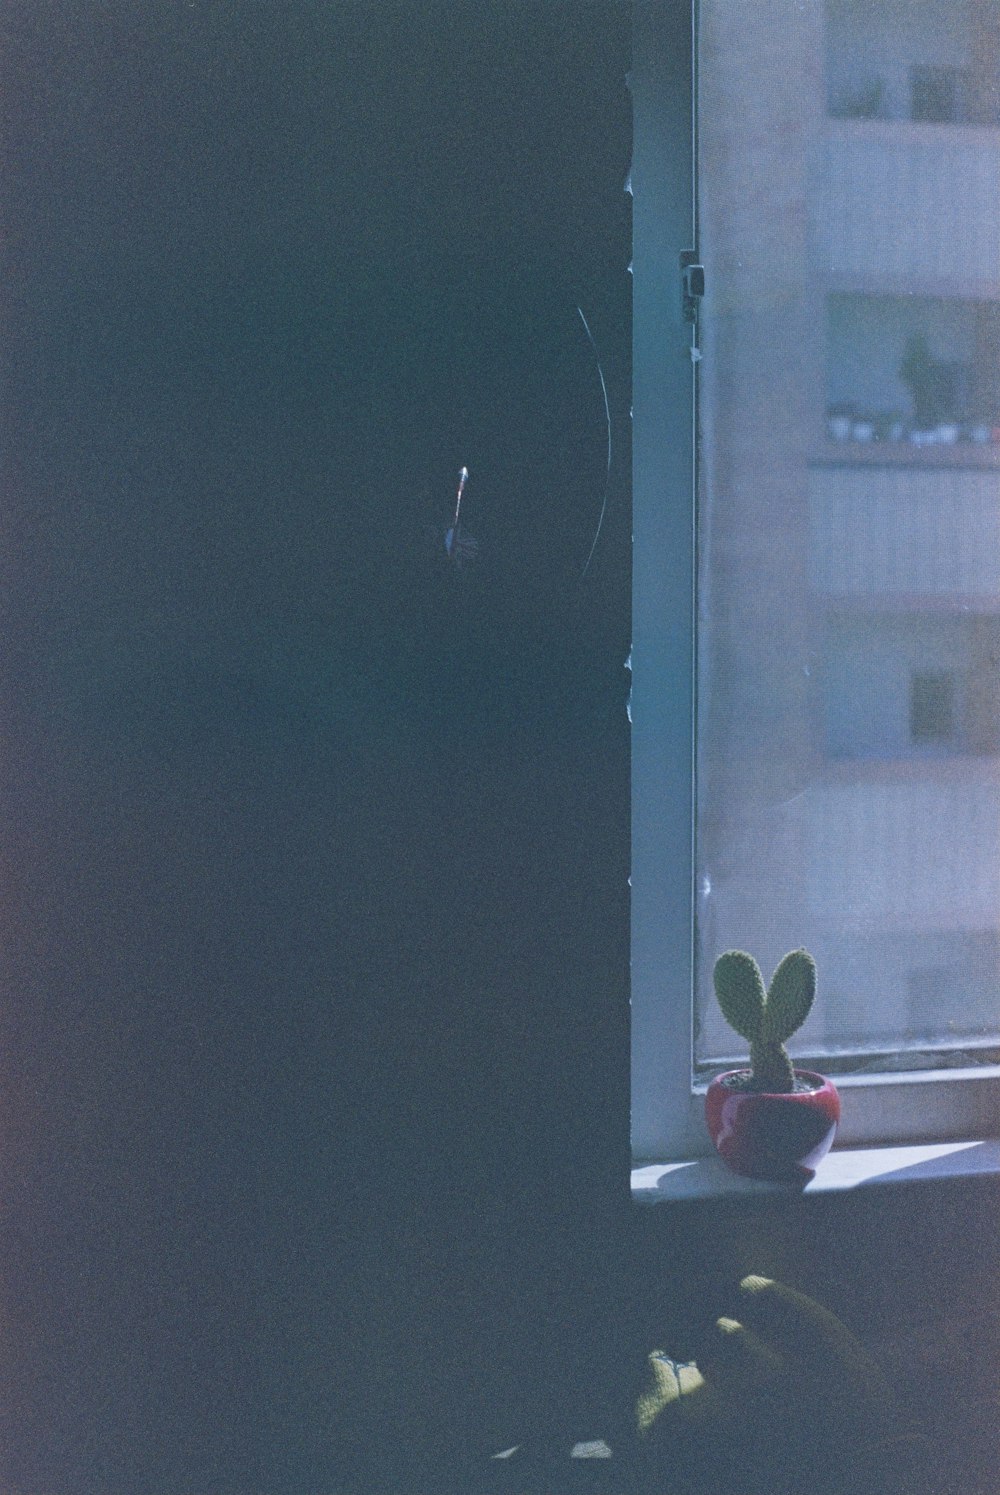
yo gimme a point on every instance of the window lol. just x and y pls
(816, 575)
(932, 708)
(935, 94)
(895, 685)
(901, 369)
(924, 61)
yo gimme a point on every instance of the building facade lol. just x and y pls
(849, 514)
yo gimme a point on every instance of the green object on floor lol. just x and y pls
(781, 1392)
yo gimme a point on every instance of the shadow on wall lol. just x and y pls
(315, 909)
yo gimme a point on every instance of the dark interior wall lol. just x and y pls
(314, 1032)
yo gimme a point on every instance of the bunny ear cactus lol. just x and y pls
(770, 1121)
(766, 1018)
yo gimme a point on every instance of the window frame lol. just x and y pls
(667, 1103)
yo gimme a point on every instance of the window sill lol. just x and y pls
(843, 1168)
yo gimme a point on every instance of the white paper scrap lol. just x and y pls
(596, 1450)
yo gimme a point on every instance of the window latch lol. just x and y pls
(692, 284)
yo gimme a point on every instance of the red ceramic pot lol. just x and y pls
(764, 1135)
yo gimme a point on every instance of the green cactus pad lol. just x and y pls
(790, 995)
(739, 987)
(766, 1018)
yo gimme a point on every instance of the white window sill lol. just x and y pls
(843, 1168)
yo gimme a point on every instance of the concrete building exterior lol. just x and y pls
(849, 513)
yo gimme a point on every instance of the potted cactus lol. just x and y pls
(770, 1121)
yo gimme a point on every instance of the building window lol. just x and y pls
(932, 708)
(898, 684)
(936, 94)
(910, 370)
(922, 61)
(817, 555)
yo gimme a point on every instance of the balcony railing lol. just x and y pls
(910, 207)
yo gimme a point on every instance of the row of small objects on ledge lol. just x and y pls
(948, 433)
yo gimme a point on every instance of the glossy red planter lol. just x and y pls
(778, 1137)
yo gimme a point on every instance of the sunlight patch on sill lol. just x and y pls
(843, 1168)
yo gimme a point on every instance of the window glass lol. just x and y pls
(848, 618)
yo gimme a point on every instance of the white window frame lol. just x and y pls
(667, 1105)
